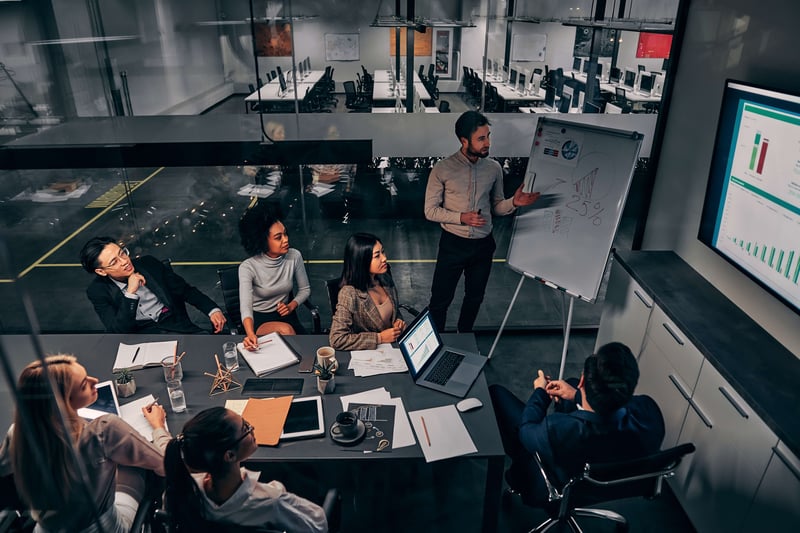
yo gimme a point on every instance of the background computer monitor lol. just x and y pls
(550, 97)
(599, 70)
(589, 107)
(646, 83)
(512, 77)
(536, 83)
(302, 69)
(505, 72)
(576, 64)
(613, 109)
(614, 75)
(567, 91)
(522, 80)
(585, 68)
(630, 78)
(281, 80)
(564, 104)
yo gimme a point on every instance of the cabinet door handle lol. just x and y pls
(700, 413)
(678, 385)
(645, 302)
(672, 333)
(788, 462)
(734, 403)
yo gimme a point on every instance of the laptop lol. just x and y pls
(106, 402)
(434, 365)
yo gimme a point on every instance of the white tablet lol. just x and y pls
(304, 419)
(105, 403)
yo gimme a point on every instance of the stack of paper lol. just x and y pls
(383, 360)
(132, 414)
(441, 432)
(136, 356)
(402, 434)
(273, 354)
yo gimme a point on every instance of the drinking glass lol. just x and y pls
(177, 399)
(231, 356)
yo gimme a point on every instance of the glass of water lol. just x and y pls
(177, 399)
(231, 356)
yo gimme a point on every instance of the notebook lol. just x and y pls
(434, 365)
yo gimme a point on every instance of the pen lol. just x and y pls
(425, 428)
(151, 404)
(135, 354)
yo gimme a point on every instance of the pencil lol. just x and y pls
(180, 357)
(135, 354)
(425, 428)
(151, 404)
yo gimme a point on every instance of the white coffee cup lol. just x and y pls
(325, 355)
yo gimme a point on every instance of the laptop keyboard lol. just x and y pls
(444, 368)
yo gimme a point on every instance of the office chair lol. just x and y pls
(604, 482)
(332, 286)
(444, 106)
(621, 99)
(431, 71)
(332, 507)
(353, 101)
(14, 515)
(422, 72)
(229, 283)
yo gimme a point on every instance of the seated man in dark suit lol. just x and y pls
(141, 295)
(599, 421)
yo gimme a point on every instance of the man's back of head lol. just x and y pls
(610, 377)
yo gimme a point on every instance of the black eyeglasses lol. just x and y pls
(123, 253)
(247, 429)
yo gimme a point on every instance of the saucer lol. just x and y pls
(349, 441)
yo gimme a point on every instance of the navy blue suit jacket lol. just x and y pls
(569, 438)
(118, 313)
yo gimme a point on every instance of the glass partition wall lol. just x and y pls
(137, 120)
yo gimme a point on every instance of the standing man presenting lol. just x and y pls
(463, 192)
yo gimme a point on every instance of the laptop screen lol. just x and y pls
(420, 342)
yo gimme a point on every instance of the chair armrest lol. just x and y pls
(552, 493)
(410, 309)
(315, 320)
(333, 509)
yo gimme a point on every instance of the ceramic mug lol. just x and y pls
(346, 425)
(325, 355)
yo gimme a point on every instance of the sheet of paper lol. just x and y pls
(237, 406)
(403, 435)
(383, 360)
(441, 433)
(268, 415)
(132, 414)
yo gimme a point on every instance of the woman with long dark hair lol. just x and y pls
(268, 277)
(212, 446)
(77, 475)
(367, 312)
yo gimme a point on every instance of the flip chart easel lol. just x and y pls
(583, 174)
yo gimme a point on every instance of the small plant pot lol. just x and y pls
(126, 389)
(325, 386)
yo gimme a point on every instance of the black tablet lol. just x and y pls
(304, 419)
(272, 386)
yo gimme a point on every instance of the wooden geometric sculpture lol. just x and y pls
(223, 380)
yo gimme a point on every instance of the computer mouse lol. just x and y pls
(468, 404)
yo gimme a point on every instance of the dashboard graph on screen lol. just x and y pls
(752, 208)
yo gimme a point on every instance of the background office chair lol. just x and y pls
(353, 101)
(332, 506)
(14, 516)
(444, 106)
(604, 482)
(621, 99)
(229, 283)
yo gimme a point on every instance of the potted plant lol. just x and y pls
(325, 377)
(126, 384)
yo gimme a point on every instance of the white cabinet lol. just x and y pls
(668, 369)
(626, 310)
(777, 503)
(717, 483)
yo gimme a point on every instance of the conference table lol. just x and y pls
(271, 92)
(97, 353)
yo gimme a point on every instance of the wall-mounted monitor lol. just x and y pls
(646, 83)
(751, 214)
(630, 79)
(576, 64)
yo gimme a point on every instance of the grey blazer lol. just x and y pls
(357, 323)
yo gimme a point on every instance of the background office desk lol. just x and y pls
(270, 92)
(97, 353)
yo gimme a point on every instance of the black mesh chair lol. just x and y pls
(229, 283)
(444, 106)
(604, 482)
(353, 101)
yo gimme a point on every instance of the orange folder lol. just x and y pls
(267, 416)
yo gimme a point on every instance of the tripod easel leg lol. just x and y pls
(505, 318)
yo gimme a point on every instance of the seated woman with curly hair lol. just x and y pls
(268, 277)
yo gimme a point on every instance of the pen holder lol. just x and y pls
(172, 369)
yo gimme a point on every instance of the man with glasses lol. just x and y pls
(141, 295)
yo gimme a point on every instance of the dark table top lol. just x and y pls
(761, 370)
(97, 352)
